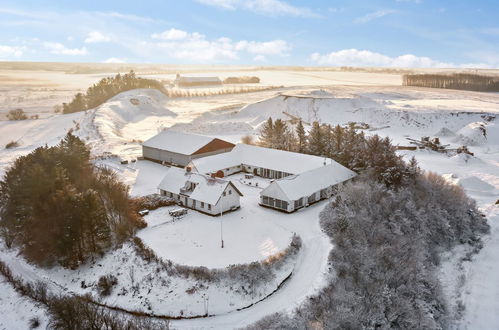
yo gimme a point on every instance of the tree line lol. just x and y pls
(345, 145)
(57, 207)
(108, 87)
(463, 81)
(387, 246)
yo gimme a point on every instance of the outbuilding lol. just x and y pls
(203, 193)
(182, 81)
(179, 149)
(293, 192)
(264, 162)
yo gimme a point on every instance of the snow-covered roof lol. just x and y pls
(179, 142)
(279, 160)
(207, 189)
(309, 182)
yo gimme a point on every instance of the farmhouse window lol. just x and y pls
(209, 207)
(202, 205)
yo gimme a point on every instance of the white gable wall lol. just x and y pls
(230, 201)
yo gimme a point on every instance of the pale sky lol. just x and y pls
(391, 33)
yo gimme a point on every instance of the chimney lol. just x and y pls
(188, 169)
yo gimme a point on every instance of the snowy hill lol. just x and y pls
(129, 118)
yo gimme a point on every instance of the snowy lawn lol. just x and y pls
(251, 233)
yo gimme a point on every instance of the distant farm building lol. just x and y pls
(200, 192)
(179, 149)
(196, 81)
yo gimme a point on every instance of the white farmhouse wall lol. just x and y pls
(230, 201)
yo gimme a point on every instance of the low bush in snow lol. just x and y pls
(248, 277)
(12, 144)
(152, 202)
(79, 312)
(34, 322)
(106, 284)
(17, 114)
(242, 80)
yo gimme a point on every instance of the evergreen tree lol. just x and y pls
(280, 136)
(266, 137)
(301, 138)
(56, 207)
(315, 140)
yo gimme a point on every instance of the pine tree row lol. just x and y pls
(345, 145)
(107, 88)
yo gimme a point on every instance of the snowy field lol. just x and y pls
(251, 233)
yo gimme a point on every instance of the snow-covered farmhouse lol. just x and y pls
(264, 162)
(196, 81)
(296, 191)
(178, 149)
(200, 192)
(300, 179)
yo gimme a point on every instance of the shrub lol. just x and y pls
(17, 114)
(152, 202)
(248, 139)
(80, 313)
(34, 322)
(12, 144)
(249, 275)
(106, 284)
(242, 80)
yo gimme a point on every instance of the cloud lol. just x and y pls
(96, 36)
(275, 47)
(59, 49)
(260, 58)
(10, 51)
(129, 17)
(172, 34)
(264, 7)
(115, 60)
(486, 59)
(491, 31)
(374, 15)
(363, 58)
(197, 47)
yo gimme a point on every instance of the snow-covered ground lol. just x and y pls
(17, 311)
(118, 126)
